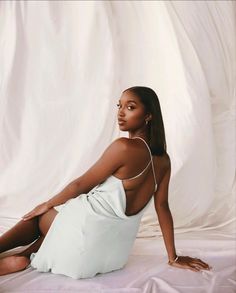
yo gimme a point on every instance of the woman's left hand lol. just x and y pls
(186, 262)
(39, 210)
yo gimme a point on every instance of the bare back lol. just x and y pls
(140, 190)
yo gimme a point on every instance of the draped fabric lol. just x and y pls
(64, 65)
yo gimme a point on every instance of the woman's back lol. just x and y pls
(140, 187)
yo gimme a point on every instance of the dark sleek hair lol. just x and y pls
(156, 131)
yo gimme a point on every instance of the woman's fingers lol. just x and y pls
(194, 264)
(193, 267)
(26, 215)
(201, 263)
(40, 209)
(187, 266)
(29, 216)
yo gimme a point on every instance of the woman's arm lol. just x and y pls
(112, 159)
(167, 227)
(164, 214)
(109, 162)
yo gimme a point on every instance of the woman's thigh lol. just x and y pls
(45, 220)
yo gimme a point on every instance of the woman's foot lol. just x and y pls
(12, 264)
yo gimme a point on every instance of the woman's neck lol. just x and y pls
(142, 134)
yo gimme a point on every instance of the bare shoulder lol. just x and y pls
(163, 165)
(167, 161)
(118, 147)
(166, 164)
(110, 161)
(122, 143)
(164, 161)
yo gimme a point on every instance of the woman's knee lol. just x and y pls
(45, 220)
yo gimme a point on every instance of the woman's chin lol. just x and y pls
(122, 128)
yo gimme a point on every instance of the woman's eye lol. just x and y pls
(118, 106)
(130, 107)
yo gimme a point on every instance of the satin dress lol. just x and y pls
(91, 233)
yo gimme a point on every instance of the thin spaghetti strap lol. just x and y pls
(140, 172)
(153, 170)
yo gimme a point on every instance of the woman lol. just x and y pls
(90, 226)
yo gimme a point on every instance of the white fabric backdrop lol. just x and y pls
(63, 66)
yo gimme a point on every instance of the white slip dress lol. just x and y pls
(91, 233)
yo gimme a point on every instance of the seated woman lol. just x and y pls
(90, 226)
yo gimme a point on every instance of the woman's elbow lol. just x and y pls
(163, 205)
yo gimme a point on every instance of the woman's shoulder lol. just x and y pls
(126, 143)
(123, 142)
(164, 162)
(166, 158)
(128, 146)
(119, 146)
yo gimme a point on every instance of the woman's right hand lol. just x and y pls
(38, 210)
(186, 262)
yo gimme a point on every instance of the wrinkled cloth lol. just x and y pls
(90, 234)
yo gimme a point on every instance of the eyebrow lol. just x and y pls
(131, 101)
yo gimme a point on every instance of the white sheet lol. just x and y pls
(147, 271)
(63, 67)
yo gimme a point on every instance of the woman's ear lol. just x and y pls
(148, 117)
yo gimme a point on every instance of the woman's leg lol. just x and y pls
(12, 264)
(32, 248)
(45, 222)
(20, 261)
(25, 232)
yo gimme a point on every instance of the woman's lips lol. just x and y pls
(120, 121)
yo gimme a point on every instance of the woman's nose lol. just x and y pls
(121, 114)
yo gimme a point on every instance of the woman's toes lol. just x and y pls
(11, 264)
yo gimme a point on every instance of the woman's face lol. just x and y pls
(131, 112)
